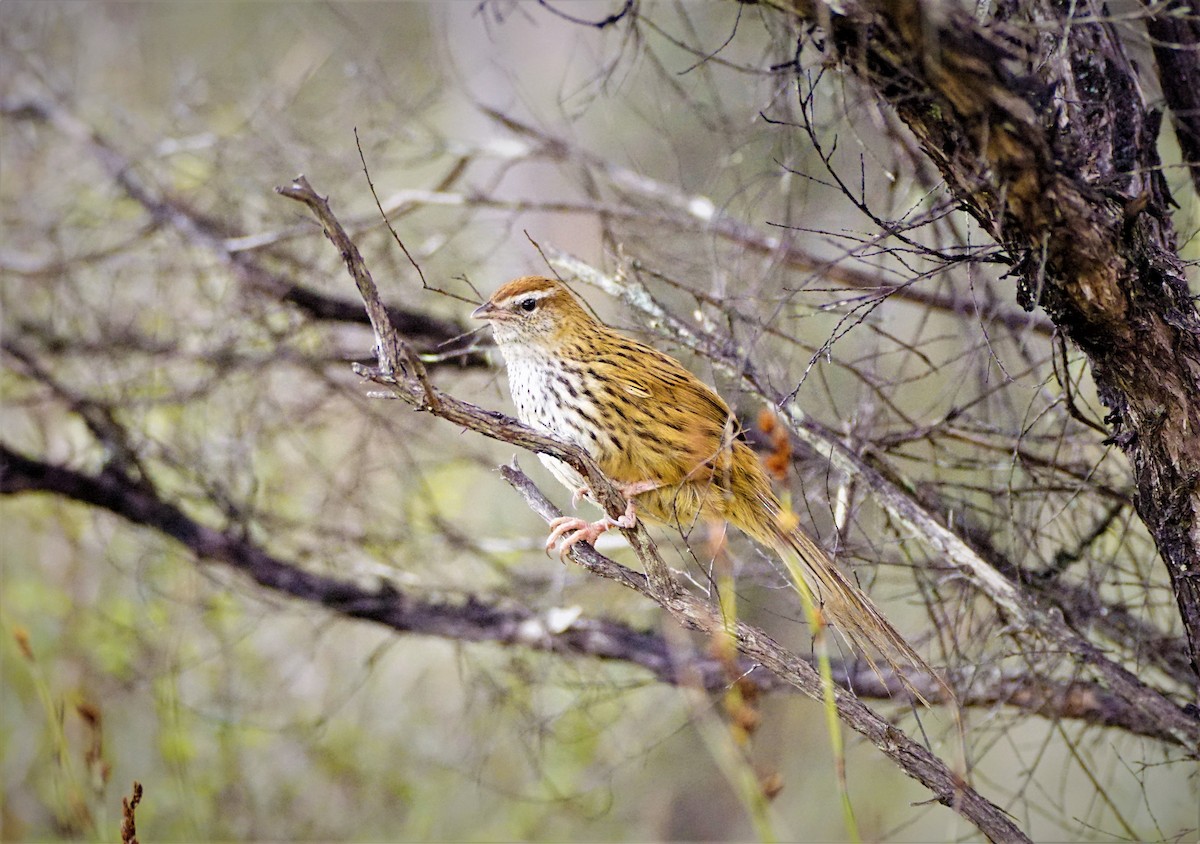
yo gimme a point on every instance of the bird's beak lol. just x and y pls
(484, 311)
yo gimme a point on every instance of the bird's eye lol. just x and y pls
(529, 304)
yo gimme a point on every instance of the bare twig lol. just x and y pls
(697, 210)
(206, 233)
(401, 371)
(396, 237)
(1079, 204)
(1174, 30)
(396, 357)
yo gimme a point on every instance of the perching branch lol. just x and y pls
(695, 614)
(688, 610)
(401, 371)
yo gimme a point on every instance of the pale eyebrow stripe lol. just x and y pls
(529, 294)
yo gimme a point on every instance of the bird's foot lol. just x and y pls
(578, 495)
(567, 531)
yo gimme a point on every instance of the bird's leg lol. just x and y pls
(627, 490)
(638, 487)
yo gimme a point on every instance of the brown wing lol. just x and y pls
(675, 429)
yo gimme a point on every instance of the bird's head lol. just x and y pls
(534, 311)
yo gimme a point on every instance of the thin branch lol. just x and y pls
(1079, 203)
(1174, 29)
(699, 210)
(383, 214)
(396, 356)
(441, 335)
(400, 371)
(627, 8)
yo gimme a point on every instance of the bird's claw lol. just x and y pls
(567, 531)
(570, 530)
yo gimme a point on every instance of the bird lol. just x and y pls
(666, 439)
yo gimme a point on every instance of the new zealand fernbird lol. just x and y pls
(665, 438)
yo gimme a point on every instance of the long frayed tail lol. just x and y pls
(843, 604)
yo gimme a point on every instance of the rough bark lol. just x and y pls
(1174, 30)
(1036, 121)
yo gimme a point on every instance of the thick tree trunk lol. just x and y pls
(1174, 30)
(1037, 123)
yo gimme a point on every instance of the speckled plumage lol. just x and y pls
(648, 421)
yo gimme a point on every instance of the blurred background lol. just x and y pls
(142, 256)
